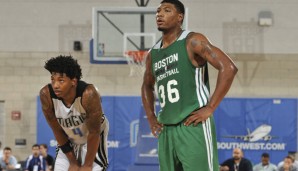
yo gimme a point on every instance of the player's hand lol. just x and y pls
(198, 116)
(155, 126)
(85, 168)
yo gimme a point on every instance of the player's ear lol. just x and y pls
(180, 18)
(74, 82)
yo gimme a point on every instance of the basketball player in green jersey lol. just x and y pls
(178, 66)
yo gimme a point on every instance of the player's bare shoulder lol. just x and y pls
(44, 90)
(197, 44)
(90, 98)
(90, 91)
(46, 102)
(196, 40)
(44, 94)
(148, 75)
(148, 58)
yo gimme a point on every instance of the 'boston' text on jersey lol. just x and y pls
(166, 61)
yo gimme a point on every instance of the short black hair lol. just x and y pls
(265, 155)
(44, 146)
(178, 5)
(292, 158)
(7, 149)
(35, 145)
(64, 64)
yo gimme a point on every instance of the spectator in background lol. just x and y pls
(35, 162)
(49, 159)
(1, 150)
(265, 164)
(288, 164)
(295, 163)
(8, 161)
(237, 162)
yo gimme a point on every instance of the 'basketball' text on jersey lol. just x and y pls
(167, 73)
(166, 67)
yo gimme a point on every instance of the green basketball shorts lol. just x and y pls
(188, 148)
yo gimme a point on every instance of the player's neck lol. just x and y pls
(69, 99)
(170, 36)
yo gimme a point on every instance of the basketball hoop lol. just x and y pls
(137, 56)
(136, 60)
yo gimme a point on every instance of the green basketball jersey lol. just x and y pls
(182, 88)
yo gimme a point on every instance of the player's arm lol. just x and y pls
(202, 48)
(61, 137)
(201, 51)
(148, 98)
(92, 104)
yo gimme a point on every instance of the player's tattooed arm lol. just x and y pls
(46, 104)
(92, 104)
(48, 111)
(205, 48)
(200, 51)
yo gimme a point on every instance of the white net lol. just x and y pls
(136, 61)
(136, 58)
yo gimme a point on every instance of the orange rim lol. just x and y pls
(137, 55)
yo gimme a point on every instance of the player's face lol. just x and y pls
(167, 17)
(61, 84)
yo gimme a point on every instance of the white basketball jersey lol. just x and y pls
(72, 119)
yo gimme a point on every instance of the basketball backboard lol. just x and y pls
(118, 29)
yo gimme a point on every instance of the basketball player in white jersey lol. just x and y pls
(73, 110)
